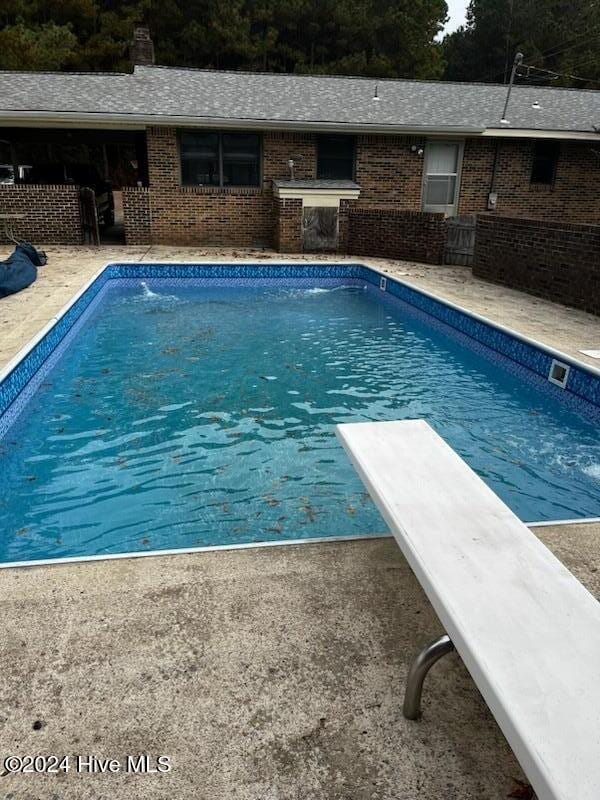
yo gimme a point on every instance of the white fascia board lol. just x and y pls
(532, 133)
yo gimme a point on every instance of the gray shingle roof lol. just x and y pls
(165, 94)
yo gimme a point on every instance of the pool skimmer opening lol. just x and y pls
(559, 373)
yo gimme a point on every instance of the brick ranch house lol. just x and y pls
(298, 162)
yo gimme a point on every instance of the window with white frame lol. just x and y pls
(442, 171)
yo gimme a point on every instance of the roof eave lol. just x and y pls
(140, 121)
(78, 119)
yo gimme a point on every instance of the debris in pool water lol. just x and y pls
(275, 529)
(271, 501)
(308, 509)
(268, 377)
(22, 532)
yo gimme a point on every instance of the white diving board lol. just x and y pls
(525, 628)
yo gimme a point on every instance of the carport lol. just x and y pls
(92, 166)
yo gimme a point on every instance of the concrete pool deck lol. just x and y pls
(265, 674)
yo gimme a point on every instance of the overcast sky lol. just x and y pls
(456, 10)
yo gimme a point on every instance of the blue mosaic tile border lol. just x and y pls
(276, 283)
(530, 362)
(250, 272)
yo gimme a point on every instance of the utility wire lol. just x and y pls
(556, 75)
(589, 59)
(578, 40)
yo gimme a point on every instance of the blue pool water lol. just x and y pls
(182, 417)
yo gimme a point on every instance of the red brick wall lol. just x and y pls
(388, 172)
(575, 195)
(390, 176)
(51, 213)
(288, 225)
(408, 235)
(136, 215)
(344, 224)
(209, 215)
(555, 260)
(386, 169)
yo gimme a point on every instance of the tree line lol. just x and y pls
(560, 41)
(377, 38)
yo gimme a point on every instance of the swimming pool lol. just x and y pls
(178, 406)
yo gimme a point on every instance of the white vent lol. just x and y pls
(559, 373)
(383, 283)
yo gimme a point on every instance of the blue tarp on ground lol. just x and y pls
(20, 268)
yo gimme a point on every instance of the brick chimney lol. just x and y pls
(141, 50)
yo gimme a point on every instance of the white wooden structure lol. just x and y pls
(526, 629)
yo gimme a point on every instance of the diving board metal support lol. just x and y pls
(419, 668)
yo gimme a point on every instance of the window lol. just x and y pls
(220, 159)
(545, 158)
(335, 157)
(442, 165)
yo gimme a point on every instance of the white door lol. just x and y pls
(441, 177)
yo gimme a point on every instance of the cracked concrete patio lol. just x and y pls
(265, 674)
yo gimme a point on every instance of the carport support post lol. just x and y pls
(418, 672)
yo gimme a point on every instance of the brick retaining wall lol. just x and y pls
(51, 213)
(408, 235)
(554, 260)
